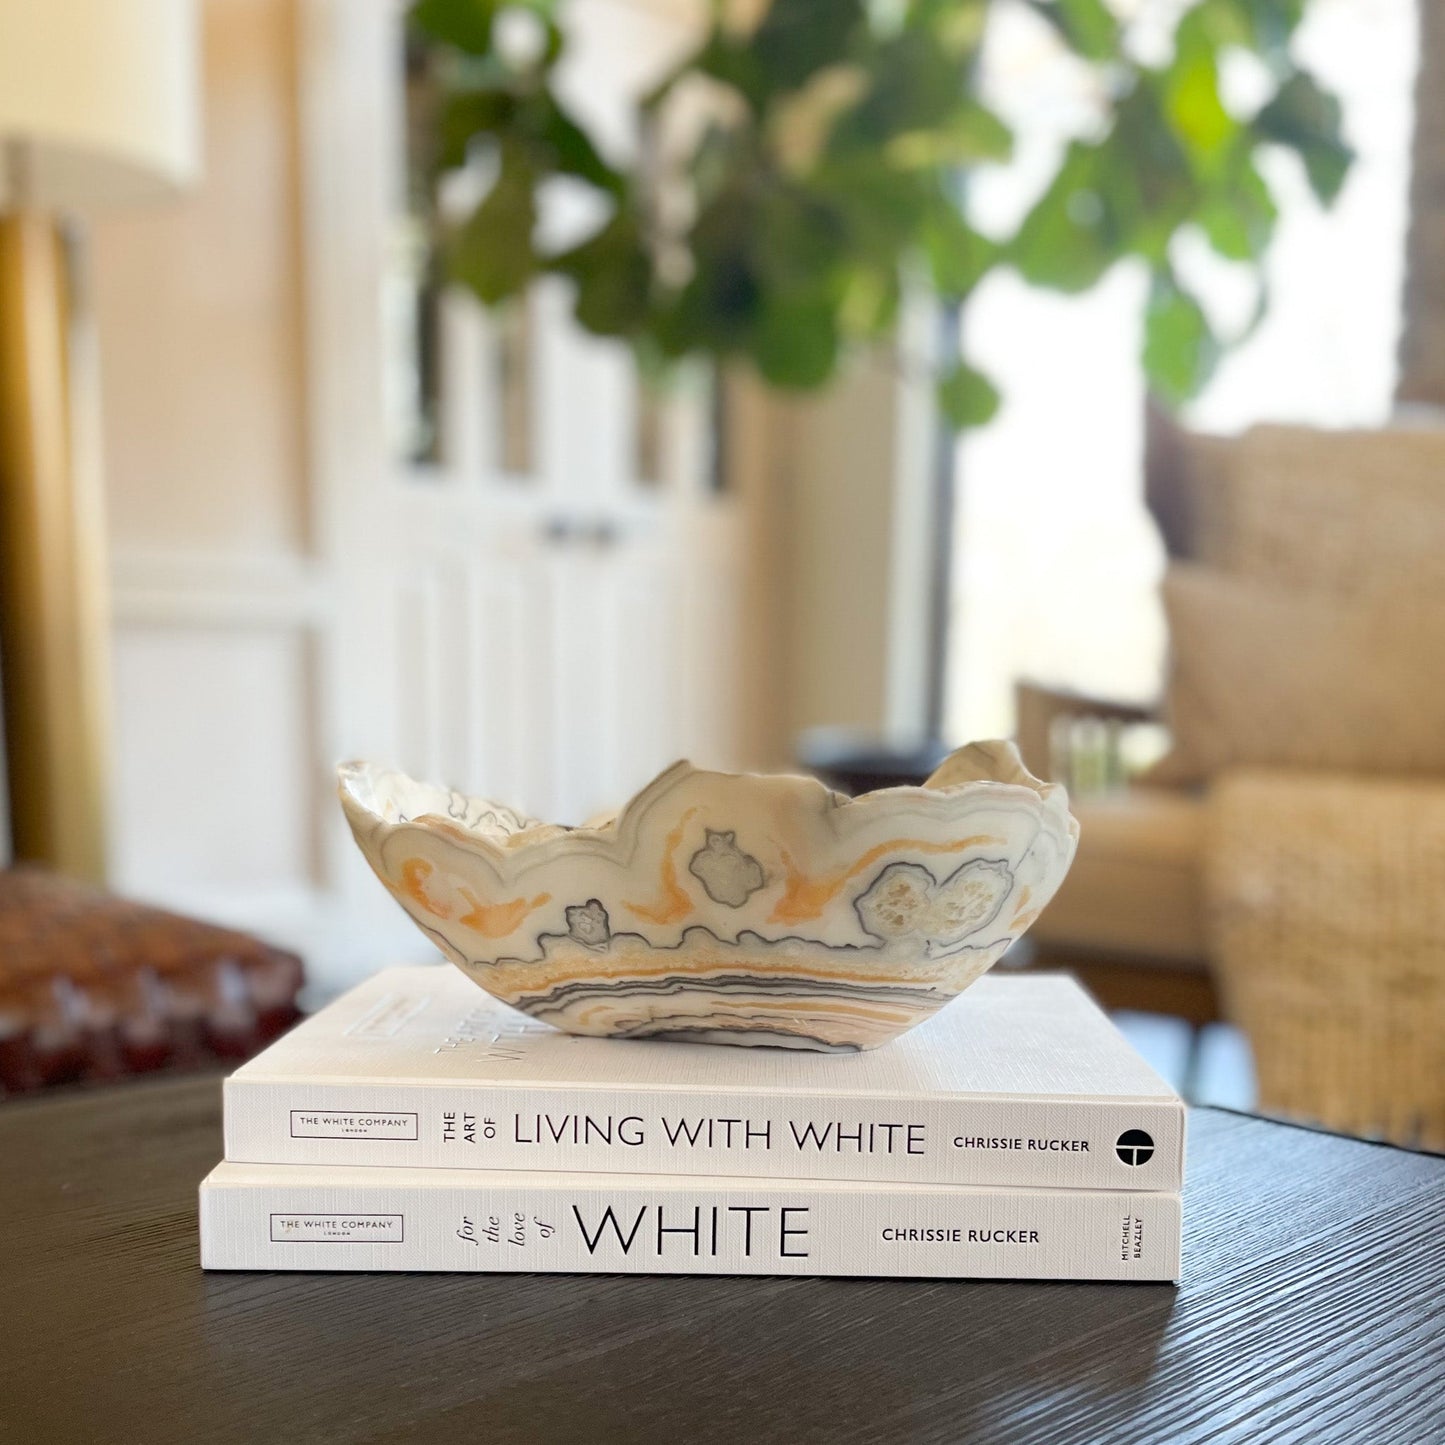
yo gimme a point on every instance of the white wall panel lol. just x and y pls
(198, 310)
(510, 684)
(215, 785)
(286, 594)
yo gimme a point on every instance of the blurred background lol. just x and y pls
(329, 428)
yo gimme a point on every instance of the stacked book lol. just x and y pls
(416, 1124)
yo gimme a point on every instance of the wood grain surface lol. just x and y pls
(1311, 1311)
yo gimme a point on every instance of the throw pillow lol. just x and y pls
(1265, 676)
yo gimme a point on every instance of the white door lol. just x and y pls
(545, 611)
(533, 576)
(543, 606)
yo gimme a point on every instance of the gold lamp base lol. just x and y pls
(53, 623)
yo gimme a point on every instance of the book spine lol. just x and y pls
(1075, 1144)
(385, 1221)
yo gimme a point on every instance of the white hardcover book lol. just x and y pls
(289, 1216)
(1021, 1081)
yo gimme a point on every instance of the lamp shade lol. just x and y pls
(99, 101)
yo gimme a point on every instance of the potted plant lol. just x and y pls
(787, 229)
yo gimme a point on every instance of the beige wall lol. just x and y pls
(841, 527)
(839, 509)
(198, 307)
(217, 602)
(235, 580)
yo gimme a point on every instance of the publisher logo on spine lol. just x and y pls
(1134, 1147)
(352, 1124)
(338, 1229)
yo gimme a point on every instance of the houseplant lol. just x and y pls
(786, 229)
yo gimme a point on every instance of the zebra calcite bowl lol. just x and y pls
(728, 908)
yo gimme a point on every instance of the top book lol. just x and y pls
(1022, 1080)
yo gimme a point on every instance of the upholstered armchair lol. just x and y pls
(1130, 916)
(1129, 919)
(1282, 867)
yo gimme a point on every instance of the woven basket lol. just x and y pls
(1326, 904)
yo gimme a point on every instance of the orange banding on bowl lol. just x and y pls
(674, 905)
(497, 920)
(805, 898)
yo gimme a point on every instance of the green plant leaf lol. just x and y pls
(798, 38)
(470, 27)
(795, 341)
(1064, 242)
(973, 134)
(816, 199)
(1155, 180)
(1218, 23)
(467, 24)
(1264, 26)
(877, 207)
(470, 113)
(613, 272)
(958, 256)
(1089, 26)
(869, 304)
(794, 237)
(977, 133)
(1191, 97)
(732, 64)
(1180, 348)
(714, 311)
(966, 396)
(957, 27)
(1306, 118)
(492, 253)
(915, 87)
(1238, 216)
(1275, 22)
(572, 150)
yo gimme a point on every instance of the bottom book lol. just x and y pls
(292, 1216)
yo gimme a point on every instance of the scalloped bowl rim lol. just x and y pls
(357, 781)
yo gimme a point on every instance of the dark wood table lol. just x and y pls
(1311, 1310)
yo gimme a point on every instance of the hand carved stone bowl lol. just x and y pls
(728, 908)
